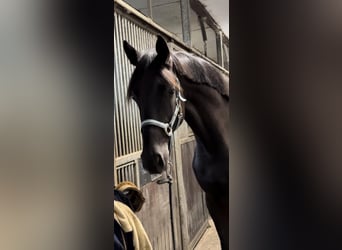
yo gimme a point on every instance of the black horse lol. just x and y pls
(168, 87)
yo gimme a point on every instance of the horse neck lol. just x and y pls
(206, 112)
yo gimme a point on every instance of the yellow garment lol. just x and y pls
(129, 222)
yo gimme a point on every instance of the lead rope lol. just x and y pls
(168, 128)
(169, 180)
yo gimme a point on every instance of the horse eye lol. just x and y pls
(171, 91)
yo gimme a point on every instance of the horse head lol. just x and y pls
(155, 88)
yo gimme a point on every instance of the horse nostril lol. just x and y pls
(158, 160)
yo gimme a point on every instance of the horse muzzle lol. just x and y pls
(155, 161)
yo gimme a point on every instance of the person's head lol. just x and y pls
(133, 194)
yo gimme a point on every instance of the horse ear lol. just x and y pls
(131, 53)
(162, 49)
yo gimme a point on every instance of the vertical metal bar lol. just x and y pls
(128, 116)
(127, 32)
(115, 92)
(130, 36)
(144, 41)
(137, 173)
(135, 130)
(115, 121)
(185, 15)
(115, 176)
(117, 74)
(135, 109)
(135, 114)
(130, 172)
(115, 126)
(140, 38)
(127, 172)
(134, 123)
(124, 67)
(125, 111)
(226, 58)
(201, 21)
(120, 82)
(128, 177)
(133, 174)
(150, 6)
(142, 44)
(219, 48)
(120, 175)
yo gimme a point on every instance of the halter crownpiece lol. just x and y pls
(179, 94)
(168, 127)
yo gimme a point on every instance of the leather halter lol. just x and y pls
(168, 127)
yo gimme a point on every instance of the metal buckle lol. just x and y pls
(168, 130)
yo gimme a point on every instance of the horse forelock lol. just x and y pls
(171, 78)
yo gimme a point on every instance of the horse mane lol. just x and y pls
(199, 71)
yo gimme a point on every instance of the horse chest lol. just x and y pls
(211, 170)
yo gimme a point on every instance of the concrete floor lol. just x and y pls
(209, 240)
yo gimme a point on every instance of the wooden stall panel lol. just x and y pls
(197, 211)
(155, 215)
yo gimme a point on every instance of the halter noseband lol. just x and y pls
(168, 127)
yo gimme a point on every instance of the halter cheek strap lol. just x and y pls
(168, 127)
